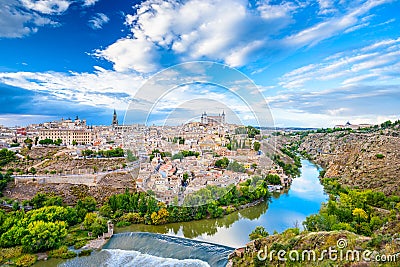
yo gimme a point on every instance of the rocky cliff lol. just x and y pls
(365, 160)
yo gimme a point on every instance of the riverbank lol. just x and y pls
(282, 211)
(362, 220)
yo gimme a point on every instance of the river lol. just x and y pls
(208, 242)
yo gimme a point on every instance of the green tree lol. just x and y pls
(43, 236)
(130, 157)
(46, 141)
(360, 214)
(6, 156)
(32, 170)
(256, 146)
(273, 179)
(236, 167)
(28, 142)
(94, 223)
(38, 200)
(15, 206)
(89, 203)
(87, 152)
(58, 142)
(258, 232)
(222, 163)
(105, 211)
(185, 177)
(53, 201)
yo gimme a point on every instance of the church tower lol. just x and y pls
(115, 119)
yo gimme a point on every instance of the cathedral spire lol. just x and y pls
(115, 119)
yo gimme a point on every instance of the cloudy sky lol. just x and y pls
(316, 62)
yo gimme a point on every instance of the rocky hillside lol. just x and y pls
(111, 184)
(365, 159)
(292, 243)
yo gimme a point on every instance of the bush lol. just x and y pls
(258, 232)
(85, 253)
(9, 253)
(62, 253)
(79, 244)
(105, 211)
(26, 260)
(95, 224)
(42, 236)
(123, 224)
(379, 156)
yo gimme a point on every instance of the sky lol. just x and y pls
(313, 63)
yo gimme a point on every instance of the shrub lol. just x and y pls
(258, 232)
(26, 260)
(79, 244)
(9, 253)
(379, 156)
(123, 224)
(62, 253)
(85, 253)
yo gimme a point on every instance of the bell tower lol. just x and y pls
(115, 119)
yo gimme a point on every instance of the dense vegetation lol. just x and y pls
(112, 153)
(6, 156)
(4, 179)
(209, 202)
(249, 130)
(52, 226)
(358, 211)
(224, 163)
(184, 153)
(45, 142)
(258, 232)
(48, 226)
(289, 168)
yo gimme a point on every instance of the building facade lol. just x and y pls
(68, 136)
(213, 120)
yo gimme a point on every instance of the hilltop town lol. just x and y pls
(73, 159)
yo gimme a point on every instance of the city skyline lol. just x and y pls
(317, 63)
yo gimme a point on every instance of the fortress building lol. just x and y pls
(213, 120)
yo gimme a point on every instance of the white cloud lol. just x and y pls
(272, 12)
(11, 120)
(20, 18)
(356, 79)
(332, 26)
(221, 30)
(98, 20)
(381, 44)
(347, 67)
(357, 27)
(131, 54)
(15, 22)
(89, 2)
(235, 32)
(47, 6)
(101, 88)
(326, 7)
(359, 104)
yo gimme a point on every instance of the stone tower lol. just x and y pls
(115, 119)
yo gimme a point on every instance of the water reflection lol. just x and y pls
(284, 211)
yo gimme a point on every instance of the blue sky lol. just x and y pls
(317, 63)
